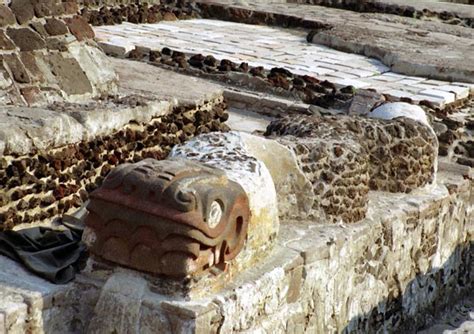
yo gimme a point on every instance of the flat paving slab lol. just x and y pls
(407, 45)
(274, 47)
(151, 81)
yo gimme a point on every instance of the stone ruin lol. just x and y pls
(48, 55)
(337, 159)
(194, 228)
(193, 218)
(57, 140)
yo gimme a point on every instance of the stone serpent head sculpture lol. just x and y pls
(173, 217)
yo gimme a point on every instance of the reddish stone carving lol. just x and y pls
(173, 217)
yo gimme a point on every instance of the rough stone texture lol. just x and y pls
(60, 66)
(23, 10)
(6, 16)
(227, 151)
(120, 298)
(391, 272)
(17, 68)
(402, 152)
(144, 12)
(140, 78)
(55, 27)
(71, 78)
(92, 3)
(338, 168)
(364, 101)
(174, 217)
(262, 58)
(294, 190)
(26, 39)
(407, 45)
(455, 132)
(453, 13)
(52, 158)
(80, 28)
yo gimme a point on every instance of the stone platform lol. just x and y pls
(409, 259)
(410, 256)
(272, 47)
(79, 143)
(407, 45)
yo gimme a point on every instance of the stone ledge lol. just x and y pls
(407, 238)
(374, 35)
(25, 130)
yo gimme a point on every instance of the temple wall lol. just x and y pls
(386, 274)
(48, 55)
(391, 272)
(52, 159)
(64, 124)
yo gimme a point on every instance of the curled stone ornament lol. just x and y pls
(173, 217)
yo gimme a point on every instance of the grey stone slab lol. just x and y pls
(459, 9)
(105, 119)
(23, 130)
(385, 37)
(144, 79)
(239, 42)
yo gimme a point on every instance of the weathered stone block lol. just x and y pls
(293, 187)
(32, 95)
(23, 10)
(70, 75)
(17, 68)
(45, 8)
(337, 169)
(402, 151)
(6, 16)
(172, 217)
(39, 28)
(13, 313)
(96, 66)
(70, 7)
(29, 61)
(80, 28)
(26, 39)
(55, 27)
(120, 298)
(5, 42)
(364, 101)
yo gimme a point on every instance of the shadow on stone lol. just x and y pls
(425, 297)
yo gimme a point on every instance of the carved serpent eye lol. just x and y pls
(215, 214)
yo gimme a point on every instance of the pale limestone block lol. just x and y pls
(228, 152)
